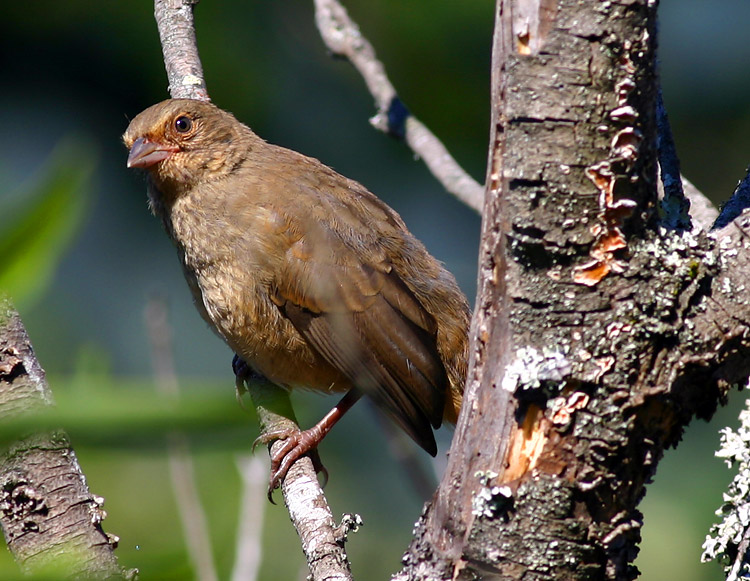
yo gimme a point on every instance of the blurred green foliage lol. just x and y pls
(38, 221)
(81, 255)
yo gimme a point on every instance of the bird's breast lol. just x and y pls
(230, 272)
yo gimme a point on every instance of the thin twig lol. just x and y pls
(322, 541)
(181, 469)
(343, 38)
(174, 18)
(303, 496)
(249, 531)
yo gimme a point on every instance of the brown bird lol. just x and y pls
(311, 279)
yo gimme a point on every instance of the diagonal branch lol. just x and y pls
(174, 18)
(343, 38)
(322, 541)
(181, 467)
(50, 519)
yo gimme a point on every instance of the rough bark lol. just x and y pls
(598, 333)
(174, 18)
(322, 540)
(50, 519)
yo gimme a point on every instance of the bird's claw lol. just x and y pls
(296, 443)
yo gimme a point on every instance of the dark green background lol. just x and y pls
(80, 70)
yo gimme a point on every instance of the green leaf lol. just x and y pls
(38, 221)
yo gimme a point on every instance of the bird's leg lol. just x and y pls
(243, 374)
(297, 443)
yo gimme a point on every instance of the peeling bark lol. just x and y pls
(597, 335)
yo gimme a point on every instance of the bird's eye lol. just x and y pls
(183, 124)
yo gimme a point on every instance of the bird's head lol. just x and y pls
(182, 142)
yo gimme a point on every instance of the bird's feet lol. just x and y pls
(295, 444)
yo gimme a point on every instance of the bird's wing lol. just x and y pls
(361, 317)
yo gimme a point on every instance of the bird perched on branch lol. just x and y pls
(311, 279)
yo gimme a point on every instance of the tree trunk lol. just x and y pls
(600, 329)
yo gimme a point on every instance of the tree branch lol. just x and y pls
(253, 472)
(181, 468)
(322, 541)
(50, 519)
(174, 18)
(343, 38)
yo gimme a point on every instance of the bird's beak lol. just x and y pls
(145, 153)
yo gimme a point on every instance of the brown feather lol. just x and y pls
(307, 276)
